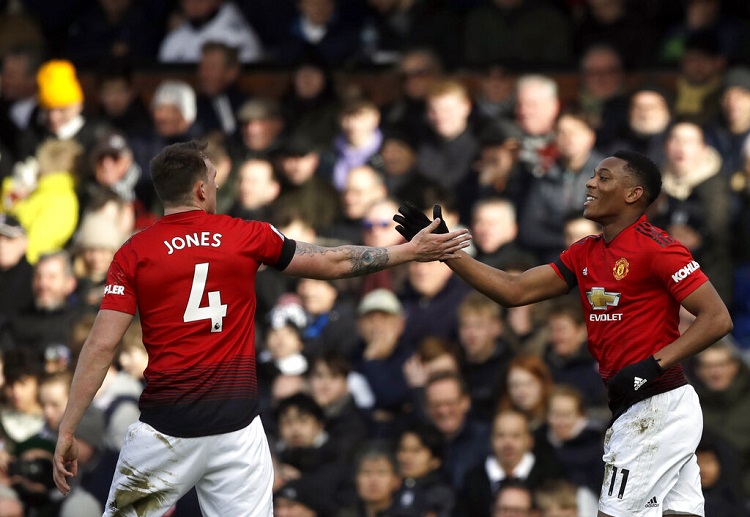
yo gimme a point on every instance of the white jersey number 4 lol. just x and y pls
(215, 311)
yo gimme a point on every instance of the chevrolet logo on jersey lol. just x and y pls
(601, 299)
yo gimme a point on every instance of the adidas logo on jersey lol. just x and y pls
(638, 382)
(652, 503)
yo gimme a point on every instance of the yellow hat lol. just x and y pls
(58, 85)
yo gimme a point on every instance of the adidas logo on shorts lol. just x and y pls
(638, 382)
(652, 503)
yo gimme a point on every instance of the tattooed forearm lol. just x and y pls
(366, 260)
(361, 259)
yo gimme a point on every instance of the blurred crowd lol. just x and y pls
(402, 393)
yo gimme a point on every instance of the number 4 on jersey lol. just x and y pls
(215, 311)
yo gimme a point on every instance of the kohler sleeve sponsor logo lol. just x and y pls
(684, 272)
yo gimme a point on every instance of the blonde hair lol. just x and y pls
(56, 155)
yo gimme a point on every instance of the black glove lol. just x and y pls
(412, 220)
(629, 385)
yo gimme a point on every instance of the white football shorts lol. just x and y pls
(232, 473)
(649, 458)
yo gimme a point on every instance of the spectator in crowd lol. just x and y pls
(486, 352)
(15, 271)
(494, 97)
(380, 358)
(322, 26)
(256, 189)
(562, 189)
(119, 103)
(48, 320)
(527, 389)
(358, 142)
(695, 201)
(363, 187)
(105, 30)
(425, 490)
(602, 91)
(22, 416)
(497, 171)
(394, 27)
(403, 179)
(282, 353)
(19, 105)
(311, 104)
(60, 97)
(219, 96)
(330, 318)
(567, 355)
(429, 291)
(698, 85)
(217, 152)
(561, 498)
(313, 197)
(201, 21)
(173, 114)
(261, 131)
(346, 425)
(519, 32)
(48, 208)
(727, 134)
(719, 477)
(617, 23)
(576, 440)
(299, 498)
(703, 16)
(514, 499)
(649, 116)
(513, 456)
(432, 356)
(376, 481)
(417, 69)
(446, 152)
(447, 405)
(722, 381)
(305, 450)
(537, 108)
(114, 168)
(94, 246)
(495, 231)
(379, 230)
(132, 357)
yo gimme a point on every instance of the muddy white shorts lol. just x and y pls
(232, 473)
(649, 458)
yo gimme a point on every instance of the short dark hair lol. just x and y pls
(645, 171)
(175, 170)
(428, 434)
(304, 404)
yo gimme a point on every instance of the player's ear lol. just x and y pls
(633, 194)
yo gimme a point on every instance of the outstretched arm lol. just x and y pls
(508, 289)
(314, 261)
(96, 357)
(712, 322)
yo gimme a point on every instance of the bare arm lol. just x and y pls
(712, 322)
(510, 290)
(314, 261)
(95, 359)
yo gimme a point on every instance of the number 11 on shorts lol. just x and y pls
(624, 473)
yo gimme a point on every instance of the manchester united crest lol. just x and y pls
(621, 269)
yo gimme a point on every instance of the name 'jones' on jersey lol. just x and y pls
(193, 240)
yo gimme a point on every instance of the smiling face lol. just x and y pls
(609, 191)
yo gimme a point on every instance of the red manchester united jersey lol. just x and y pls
(631, 289)
(191, 278)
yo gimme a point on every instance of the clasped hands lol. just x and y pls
(411, 220)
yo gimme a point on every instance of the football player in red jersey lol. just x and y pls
(632, 279)
(191, 279)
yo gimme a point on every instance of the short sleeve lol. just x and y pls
(678, 271)
(119, 292)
